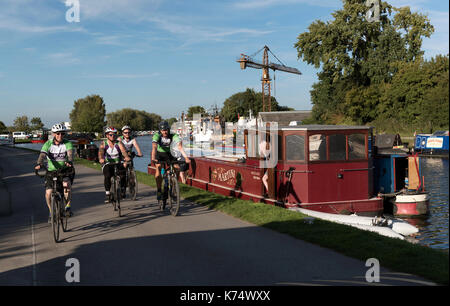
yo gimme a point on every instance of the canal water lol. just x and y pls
(433, 228)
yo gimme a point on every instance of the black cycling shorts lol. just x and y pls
(164, 156)
(49, 180)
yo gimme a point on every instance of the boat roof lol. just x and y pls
(319, 127)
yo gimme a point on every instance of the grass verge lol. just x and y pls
(395, 254)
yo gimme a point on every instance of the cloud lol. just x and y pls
(62, 58)
(116, 9)
(256, 4)
(121, 76)
(34, 17)
(192, 34)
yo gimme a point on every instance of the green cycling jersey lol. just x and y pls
(57, 155)
(165, 142)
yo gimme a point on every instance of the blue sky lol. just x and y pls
(160, 56)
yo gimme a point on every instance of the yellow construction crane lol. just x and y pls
(248, 61)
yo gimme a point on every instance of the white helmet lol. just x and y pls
(126, 127)
(110, 129)
(59, 127)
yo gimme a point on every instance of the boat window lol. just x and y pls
(337, 145)
(295, 147)
(317, 147)
(357, 146)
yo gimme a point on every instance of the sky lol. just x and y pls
(161, 56)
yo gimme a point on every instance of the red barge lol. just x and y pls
(325, 168)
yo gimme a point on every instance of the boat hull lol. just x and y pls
(370, 207)
(412, 204)
(244, 182)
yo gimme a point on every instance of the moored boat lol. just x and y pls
(399, 181)
(325, 168)
(436, 144)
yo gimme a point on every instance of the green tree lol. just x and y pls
(138, 120)
(3, 127)
(36, 123)
(88, 114)
(171, 120)
(21, 124)
(354, 54)
(242, 103)
(418, 95)
(195, 110)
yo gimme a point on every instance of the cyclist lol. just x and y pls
(129, 142)
(112, 151)
(59, 154)
(161, 143)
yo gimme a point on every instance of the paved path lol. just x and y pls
(147, 247)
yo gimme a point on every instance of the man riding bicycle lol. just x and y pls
(161, 144)
(129, 142)
(59, 154)
(112, 151)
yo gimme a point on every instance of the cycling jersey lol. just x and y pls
(112, 154)
(128, 144)
(56, 154)
(164, 142)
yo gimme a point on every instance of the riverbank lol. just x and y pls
(392, 253)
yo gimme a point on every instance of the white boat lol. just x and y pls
(394, 228)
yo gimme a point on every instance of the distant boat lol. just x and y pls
(432, 144)
(39, 138)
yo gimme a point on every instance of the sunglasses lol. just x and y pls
(111, 135)
(125, 132)
(59, 133)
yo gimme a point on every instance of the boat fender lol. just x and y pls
(404, 228)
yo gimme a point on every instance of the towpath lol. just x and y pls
(201, 247)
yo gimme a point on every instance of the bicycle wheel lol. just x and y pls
(63, 216)
(163, 201)
(174, 196)
(55, 216)
(112, 194)
(118, 194)
(133, 186)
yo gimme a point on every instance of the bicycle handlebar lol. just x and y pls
(60, 172)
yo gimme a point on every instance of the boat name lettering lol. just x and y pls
(222, 175)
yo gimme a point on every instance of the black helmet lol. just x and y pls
(164, 126)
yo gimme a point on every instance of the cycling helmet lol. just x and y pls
(164, 126)
(110, 129)
(59, 127)
(126, 127)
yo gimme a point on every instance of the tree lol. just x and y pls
(3, 127)
(138, 120)
(21, 124)
(354, 54)
(171, 121)
(241, 103)
(418, 95)
(36, 123)
(88, 114)
(195, 110)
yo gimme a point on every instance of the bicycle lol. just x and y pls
(171, 188)
(116, 193)
(58, 202)
(131, 179)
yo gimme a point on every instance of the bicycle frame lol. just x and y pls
(116, 196)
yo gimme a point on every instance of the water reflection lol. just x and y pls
(434, 227)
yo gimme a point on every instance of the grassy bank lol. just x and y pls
(395, 254)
